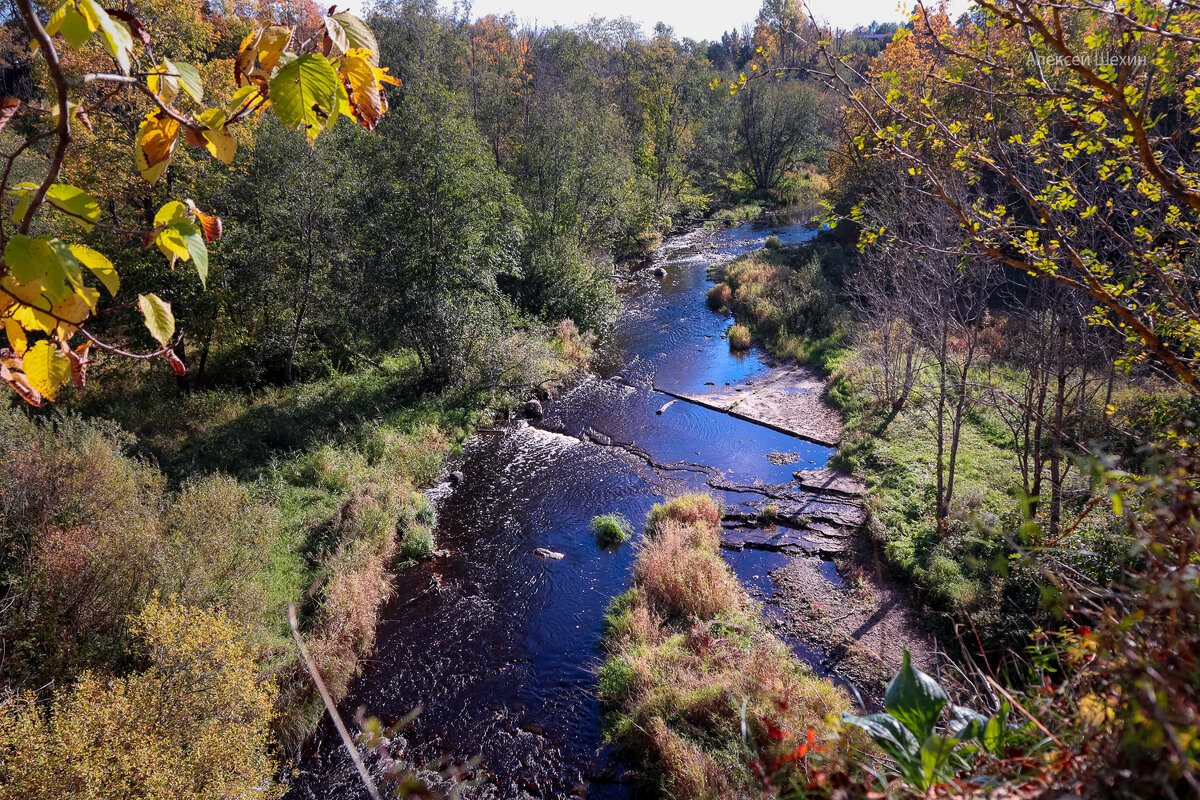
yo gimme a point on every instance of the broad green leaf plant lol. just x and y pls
(907, 731)
(307, 78)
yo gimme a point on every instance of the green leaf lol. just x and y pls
(71, 24)
(76, 203)
(19, 261)
(304, 94)
(50, 271)
(100, 266)
(197, 249)
(356, 33)
(24, 193)
(67, 261)
(159, 319)
(46, 368)
(887, 732)
(966, 723)
(189, 79)
(915, 699)
(935, 754)
(992, 737)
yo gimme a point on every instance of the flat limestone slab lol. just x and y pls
(787, 398)
(830, 480)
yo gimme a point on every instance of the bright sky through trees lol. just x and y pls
(697, 19)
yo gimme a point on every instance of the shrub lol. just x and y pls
(719, 296)
(739, 337)
(684, 576)
(574, 345)
(611, 529)
(772, 242)
(424, 511)
(193, 724)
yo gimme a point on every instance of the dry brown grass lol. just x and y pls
(688, 509)
(576, 347)
(683, 574)
(720, 296)
(686, 651)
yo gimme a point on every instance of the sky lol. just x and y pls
(696, 19)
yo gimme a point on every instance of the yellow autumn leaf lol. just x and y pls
(260, 53)
(155, 145)
(17, 339)
(46, 369)
(163, 84)
(100, 266)
(367, 103)
(1094, 712)
(170, 242)
(74, 309)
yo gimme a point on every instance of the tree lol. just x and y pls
(777, 123)
(1059, 139)
(307, 78)
(440, 225)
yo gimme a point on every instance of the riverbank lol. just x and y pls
(244, 502)
(841, 589)
(700, 696)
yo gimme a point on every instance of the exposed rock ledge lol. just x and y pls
(788, 398)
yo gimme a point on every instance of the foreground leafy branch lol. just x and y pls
(307, 78)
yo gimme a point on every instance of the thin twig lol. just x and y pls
(347, 740)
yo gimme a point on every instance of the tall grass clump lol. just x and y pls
(688, 661)
(739, 337)
(611, 529)
(720, 296)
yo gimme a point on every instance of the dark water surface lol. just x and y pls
(500, 647)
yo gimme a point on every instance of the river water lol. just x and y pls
(498, 646)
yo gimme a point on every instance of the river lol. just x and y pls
(499, 646)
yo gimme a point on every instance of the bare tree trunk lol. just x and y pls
(942, 508)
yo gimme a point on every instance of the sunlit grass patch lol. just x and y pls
(739, 337)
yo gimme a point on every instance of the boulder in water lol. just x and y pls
(456, 478)
(543, 552)
(659, 272)
(533, 409)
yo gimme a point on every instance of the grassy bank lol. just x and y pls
(961, 567)
(788, 299)
(696, 691)
(239, 502)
